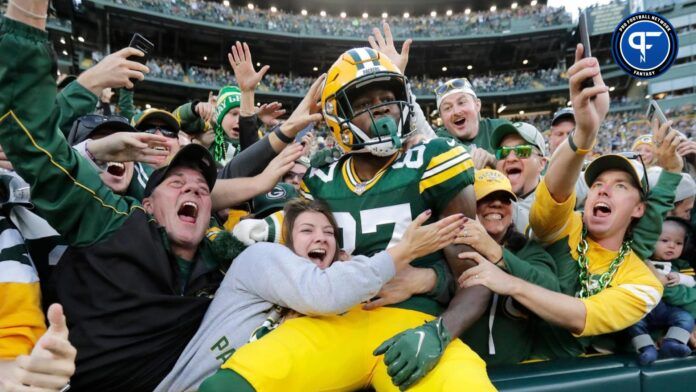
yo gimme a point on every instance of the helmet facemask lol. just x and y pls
(387, 133)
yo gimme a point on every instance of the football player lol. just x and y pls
(375, 191)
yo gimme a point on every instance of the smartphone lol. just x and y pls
(654, 109)
(584, 37)
(142, 44)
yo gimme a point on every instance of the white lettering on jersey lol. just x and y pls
(399, 215)
(413, 159)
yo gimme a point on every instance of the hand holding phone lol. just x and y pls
(142, 44)
(654, 110)
(584, 36)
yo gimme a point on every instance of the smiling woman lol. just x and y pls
(494, 237)
(270, 283)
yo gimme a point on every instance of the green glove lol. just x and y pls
(411, 354)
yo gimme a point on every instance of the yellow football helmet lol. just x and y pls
(355, 71)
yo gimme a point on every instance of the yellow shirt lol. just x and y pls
(634, 290)
(21, 318)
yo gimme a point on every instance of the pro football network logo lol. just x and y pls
(644, 45)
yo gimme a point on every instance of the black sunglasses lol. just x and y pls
(164, 131)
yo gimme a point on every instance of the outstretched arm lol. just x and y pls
(65, 188)
(591, 106)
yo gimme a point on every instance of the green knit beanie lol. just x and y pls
(228, 98)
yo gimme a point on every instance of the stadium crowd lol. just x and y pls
(456, 24)
(421, 85)
(187, 250)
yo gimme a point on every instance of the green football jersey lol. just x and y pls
(373, 215)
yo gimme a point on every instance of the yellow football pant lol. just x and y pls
(334, 353)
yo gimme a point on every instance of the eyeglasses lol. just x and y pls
(164, 131)
(521, 151)
(452, 85)
(644, 185)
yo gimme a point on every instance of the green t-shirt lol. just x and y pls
(483, 137)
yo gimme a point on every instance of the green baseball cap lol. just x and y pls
(268, 203)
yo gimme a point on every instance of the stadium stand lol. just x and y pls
(97, 176)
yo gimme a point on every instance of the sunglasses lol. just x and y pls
(521, 151)
(645, 186)
(452, 85)
(164, 131)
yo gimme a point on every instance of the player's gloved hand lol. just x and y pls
(411, 354)
(251, 231)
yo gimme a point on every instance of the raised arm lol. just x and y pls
(65, 189)
(660, 200)
(591, 106)
(230, 192)
(247, 79)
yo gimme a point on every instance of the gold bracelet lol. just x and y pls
(27, 12)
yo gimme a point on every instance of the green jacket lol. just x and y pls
(555, 342)
(504, 335)
(190, 121)
(119, 257)
(483, 137)
(125, 103)
(74, 101)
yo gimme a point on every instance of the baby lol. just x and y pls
(666, 261)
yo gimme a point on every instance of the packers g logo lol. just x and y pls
(644, 45)
(276, 193)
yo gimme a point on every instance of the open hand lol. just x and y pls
(128, 147)
(420, 240)
(268, 113)
(307, 112)
(243, 67)
(279, 165)
(385, 44)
